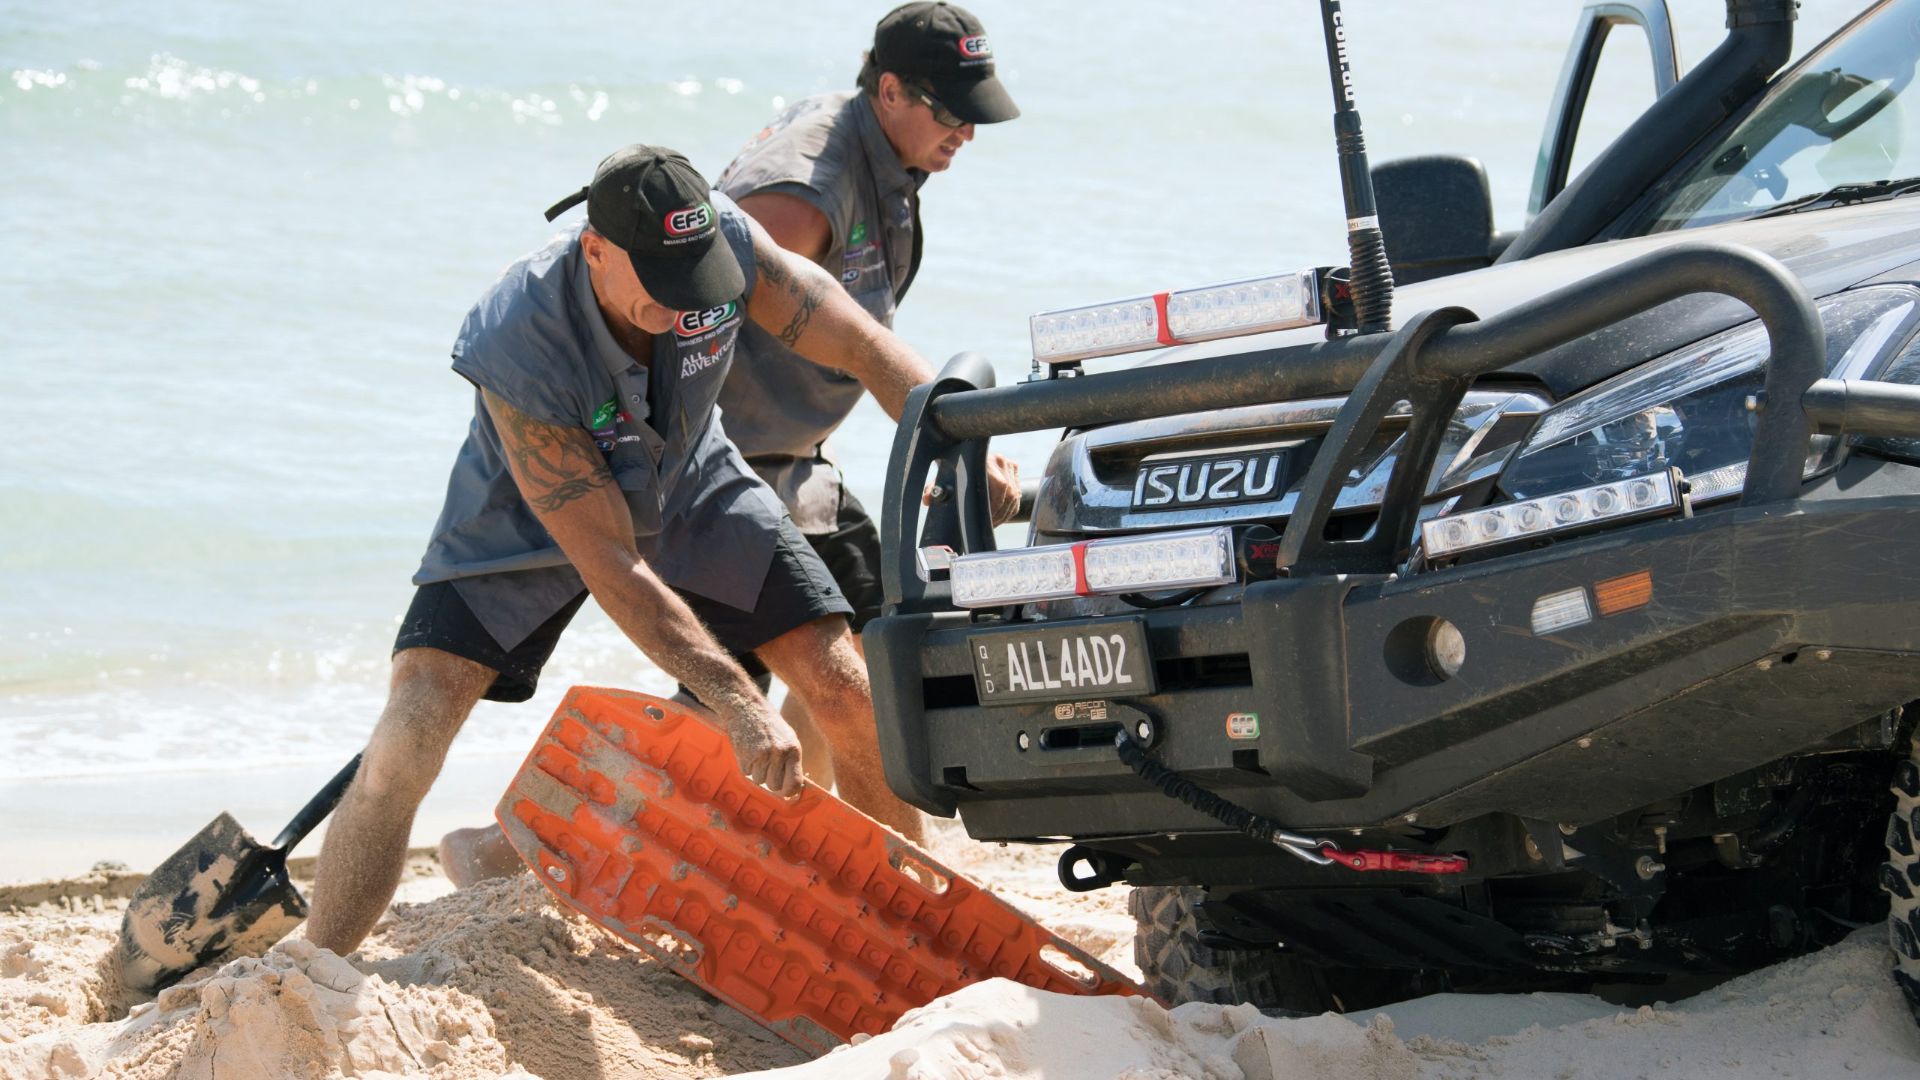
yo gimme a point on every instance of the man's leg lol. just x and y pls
(366, 845)
(818, 662)
(851, 552)
(816, 756)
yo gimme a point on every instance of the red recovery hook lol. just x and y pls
(808, 916)
(1407, 862)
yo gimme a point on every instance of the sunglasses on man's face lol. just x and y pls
(941, 114)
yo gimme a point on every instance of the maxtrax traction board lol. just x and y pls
(808, 916)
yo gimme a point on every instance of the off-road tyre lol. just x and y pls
(1178, 968)
(1901, 878)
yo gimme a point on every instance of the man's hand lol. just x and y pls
(1003, 489)
(765, 746)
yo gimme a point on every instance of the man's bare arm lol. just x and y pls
(551, 468)
(810, 313)
(793, 222)
(566, 481)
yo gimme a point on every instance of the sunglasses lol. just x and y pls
(941, 114)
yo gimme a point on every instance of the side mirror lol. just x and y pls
(1436, 214)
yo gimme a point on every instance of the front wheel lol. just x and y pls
(1901, 877)
(1178, 967)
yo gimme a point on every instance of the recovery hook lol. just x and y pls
(1265, 829)
(1402, 861)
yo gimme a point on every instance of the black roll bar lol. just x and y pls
(946, 423)
(1861, 407)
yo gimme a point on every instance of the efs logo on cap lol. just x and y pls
(975, 47)
(691, 323)
(691, 220)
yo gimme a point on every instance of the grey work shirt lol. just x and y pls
(830, 152)
(701, 519)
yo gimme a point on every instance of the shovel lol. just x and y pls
(222, 892)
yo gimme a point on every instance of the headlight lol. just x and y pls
(1688, 409)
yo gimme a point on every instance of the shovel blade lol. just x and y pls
(223, 893)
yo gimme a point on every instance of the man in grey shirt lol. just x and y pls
(596, 463)
(836, 179)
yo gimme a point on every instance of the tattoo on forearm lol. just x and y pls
(554, 465)
(808, 291)
(807, 297)
(770, 270)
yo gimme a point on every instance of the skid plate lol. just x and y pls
(808, 916)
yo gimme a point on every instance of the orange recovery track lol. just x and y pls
(808, 916)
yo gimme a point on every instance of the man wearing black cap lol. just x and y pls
(596, 464)
(837, 178)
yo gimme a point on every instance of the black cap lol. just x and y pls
(653, 205)
(945, 47)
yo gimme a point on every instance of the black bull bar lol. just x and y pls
(1430, 362)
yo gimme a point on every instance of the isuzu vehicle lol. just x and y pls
(1554, 625)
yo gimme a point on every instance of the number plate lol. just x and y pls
(1062, 663)
(1217, 480)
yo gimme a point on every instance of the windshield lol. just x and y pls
(1846, 115)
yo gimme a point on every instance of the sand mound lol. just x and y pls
(299, 1011)
(567, 999)
(491, 982)
(47, 967)
(1832, 1014)
(1003, 1029)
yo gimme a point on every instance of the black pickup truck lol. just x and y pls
(1562, 634)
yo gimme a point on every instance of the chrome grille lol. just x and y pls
(1090, 475)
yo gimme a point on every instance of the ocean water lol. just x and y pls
(236, 239)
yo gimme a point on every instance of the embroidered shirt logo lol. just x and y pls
(692, 364)
(605, 434)
(694, 323)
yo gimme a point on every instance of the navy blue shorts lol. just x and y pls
(852, 554)
(798, 590)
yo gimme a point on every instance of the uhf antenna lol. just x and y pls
(1372, 279)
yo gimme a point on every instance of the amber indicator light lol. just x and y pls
(1615, 595)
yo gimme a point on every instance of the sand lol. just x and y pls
(1821, 1017)
(498, 982)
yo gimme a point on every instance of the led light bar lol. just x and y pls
(1175, 560)
(1640, 496)
(992, 578)
(1121, 326)
(1281, 302)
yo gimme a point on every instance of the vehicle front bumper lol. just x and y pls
(1768, 629)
